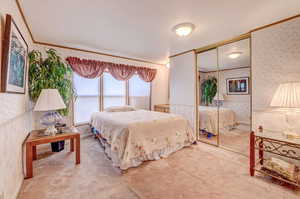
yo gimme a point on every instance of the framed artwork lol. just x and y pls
(237, 86)
(14, 59)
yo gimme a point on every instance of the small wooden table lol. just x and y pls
(36, 137)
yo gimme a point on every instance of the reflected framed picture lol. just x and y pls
(14, 59)
(237, 86)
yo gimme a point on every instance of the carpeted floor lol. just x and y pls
(236, 139)
(200, 171)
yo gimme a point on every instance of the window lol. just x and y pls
(139, 93)
(88, 98)
(114, 91)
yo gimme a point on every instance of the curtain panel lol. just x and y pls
(86, 68)
(93, 69)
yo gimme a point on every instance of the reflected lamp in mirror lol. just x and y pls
(287, 97)
(49, 101)
(219, 98)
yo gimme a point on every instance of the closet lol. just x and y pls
(224, 99)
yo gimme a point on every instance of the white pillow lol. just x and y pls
(120, 109)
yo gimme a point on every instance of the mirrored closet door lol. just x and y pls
(208, 109)
(224, 95)
(234, 90)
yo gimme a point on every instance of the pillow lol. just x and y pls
(281, 167)
(120, 109)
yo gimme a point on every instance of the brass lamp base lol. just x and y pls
(51, 130)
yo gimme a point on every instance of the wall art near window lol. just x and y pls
(238, 86)
(14, 59)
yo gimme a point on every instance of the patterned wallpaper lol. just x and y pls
(15, 121)
(275, 60)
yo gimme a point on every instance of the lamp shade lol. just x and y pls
(221, 97)
(287, 95)
(49, 100)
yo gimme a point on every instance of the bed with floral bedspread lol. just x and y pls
(135, 136)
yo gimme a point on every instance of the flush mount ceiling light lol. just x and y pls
(234, 55)
(184, 29)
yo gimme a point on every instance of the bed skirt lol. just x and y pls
(135, 162)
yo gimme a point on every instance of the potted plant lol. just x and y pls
(208, 90)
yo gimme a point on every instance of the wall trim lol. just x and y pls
(226, 69)
(182, 53)
(275, 23)
(7, 122)
(76, 49)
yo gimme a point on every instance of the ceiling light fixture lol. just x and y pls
(184, 29)
(234, 55)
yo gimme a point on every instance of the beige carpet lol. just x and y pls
(201, 171)
(236, 140)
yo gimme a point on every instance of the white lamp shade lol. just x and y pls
(49, 100)
(287, 95)
(221, 97)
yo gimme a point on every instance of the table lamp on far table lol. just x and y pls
(219, 98)
(287, 96)
(50, 101)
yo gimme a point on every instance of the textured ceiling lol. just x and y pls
(142, 28)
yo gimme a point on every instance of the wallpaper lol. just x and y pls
(15, 121)
(275, 60)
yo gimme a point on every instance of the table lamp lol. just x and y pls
(219, 98)
(50, 101)
(287, 96)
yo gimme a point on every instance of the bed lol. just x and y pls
(208, 116)
(131, 137)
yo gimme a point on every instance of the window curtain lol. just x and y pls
(92, 69)
(86, 68)
(121, 72)
(146, 74)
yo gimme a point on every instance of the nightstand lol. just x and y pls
(37, 137)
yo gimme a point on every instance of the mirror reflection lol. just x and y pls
(209, 98)
(234, 111)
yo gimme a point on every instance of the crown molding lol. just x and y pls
(275, 23)
(76, 49)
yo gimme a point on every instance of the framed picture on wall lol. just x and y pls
(237, 86)
(14, 59)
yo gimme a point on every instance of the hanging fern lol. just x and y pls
(51, 72)
(208, 90)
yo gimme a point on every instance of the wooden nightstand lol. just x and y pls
(165, 108)
(36, 137)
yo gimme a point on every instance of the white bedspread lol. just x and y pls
(208, 116)
(137, 136)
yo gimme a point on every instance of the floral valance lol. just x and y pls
(93, 69)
